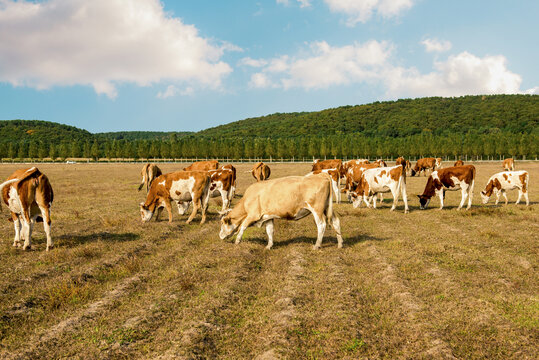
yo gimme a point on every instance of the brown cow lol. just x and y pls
(290, 198)
(178, 186)
(348, 164)
(261, 171)
(149, 172)
(203, 166)
(233, 169)
(407, 165)
(459, 163)
(354, 175)
(423, 165)
(28, 195)
(438, 163)
(451, 178)
(327, 164)
(508, 164)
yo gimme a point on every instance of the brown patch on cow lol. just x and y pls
(395, 173)
(523, 181)
(382, 173)
(459, 163)
(505, 177)
(203, 166)
(178, 193)
(327, 164)
(376, 180)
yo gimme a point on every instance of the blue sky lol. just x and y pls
(112, 65)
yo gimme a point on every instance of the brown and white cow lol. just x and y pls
(327, 164)
(354, 175)
(28, 195)
(507, 180)
(458, 163)
(290, 198)
(335, 181)
(452, 178)
(407, 165)
(149, 172)
(221, 184)
(423, 165)
(348, 164)
(203, 166)
(381, 163)
(438, 163)
(261, 171)
(381, 180)
(233, 169)
(508, 164)
(177, 186)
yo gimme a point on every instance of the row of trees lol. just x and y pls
(490, 145)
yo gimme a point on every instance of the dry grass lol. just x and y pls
(430, 284)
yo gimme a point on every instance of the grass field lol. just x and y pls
(426, 285)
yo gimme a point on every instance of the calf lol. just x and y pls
(149, 172)
(261, 171)
(203, 166)
(178, 186)
(290, 198)
(508, 164)
(458, 163)
(423, 165)
(380, 180)
(28, 195)
(335, 181)
(451, 178)
(507, 180)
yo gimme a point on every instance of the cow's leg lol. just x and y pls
(381, 198)
(45, 213)
(269, 231)
(203, 208)
(464, 194)
(470, 195)
(373, 197)
(17, 226)
(321, 226)
(366, 200)
(196, 205)
(26, 234)
(441, 196)
(336, 224)
(519, 196)
(159, 210)
(244, 225)
(224, 197)
(526, 197)
(395, 193)
(504, 193)
(168, 206)
(404, 197)
(497, 197)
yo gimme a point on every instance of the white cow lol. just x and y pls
(507, 180)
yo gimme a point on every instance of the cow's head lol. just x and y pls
(182, 207)
(355, 198)
(227, 227)
(145, 212)
(484, 197)
(423, 201)
(413, 172)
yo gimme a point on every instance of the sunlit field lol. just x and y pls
(428, 284)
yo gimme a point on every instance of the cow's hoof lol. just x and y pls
(50, 247)
(267, 248)
(406, 211)
(316, 247)
(29, 247)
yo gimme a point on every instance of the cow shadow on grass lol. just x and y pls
(328, 241)
(69, 241)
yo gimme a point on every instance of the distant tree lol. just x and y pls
(75, 150)
(87, 150)
(94, 151)
(53, 153)
(32, 150)
(43, 150)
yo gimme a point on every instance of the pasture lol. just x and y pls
(429, 284)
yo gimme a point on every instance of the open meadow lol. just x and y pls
(425, 285)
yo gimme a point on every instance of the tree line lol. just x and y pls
(472, 145)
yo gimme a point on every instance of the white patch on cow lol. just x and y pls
(182, 189)
(162, 183)
(14, 202)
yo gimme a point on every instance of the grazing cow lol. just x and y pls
(221, 184)
(335, 181)
(233, 169)
(149, 172)
(423, 165)
(28, 195)
(261, 171)
(354, 175)
(509, 164)
(380, 180)
(381, 163)
(459, 163)
(203, 166)
(290, 198)
(507, 180)
(451, 178)
(177, 186)
(438, 163)
(327, 164)
(348, 164)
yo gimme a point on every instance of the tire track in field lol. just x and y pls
(282, 319)
(436, 346)
(90, 311)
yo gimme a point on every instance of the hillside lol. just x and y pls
(141, 135)
(509, 113)
(37, 130)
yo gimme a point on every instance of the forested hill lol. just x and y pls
(401, 118)
(142, 135)
(37, 130)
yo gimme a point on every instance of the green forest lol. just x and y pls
(491, 126)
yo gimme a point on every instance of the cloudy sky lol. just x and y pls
(111, 65)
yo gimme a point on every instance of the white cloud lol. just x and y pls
(169, 92)
(102, 43)
(302, 3)
(323, 66)
(252, 62)
(435, 45)
(363, 10)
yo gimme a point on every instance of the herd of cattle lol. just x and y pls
(29, 195)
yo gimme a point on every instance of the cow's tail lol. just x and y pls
(206, 195)
(6, 184)
(329, 211)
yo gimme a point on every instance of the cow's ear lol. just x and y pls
(419, 196)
